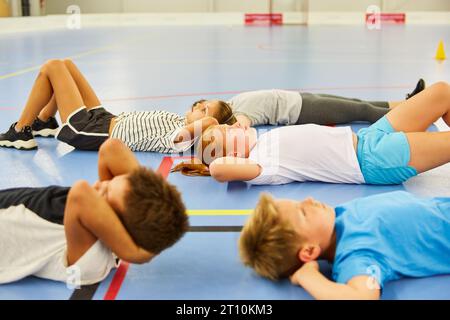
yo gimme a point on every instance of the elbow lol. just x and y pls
(209, 122)
(216, 173)
(111, 146)
(139, 257)
(220, 179)
(142, 261)
(76, 201)
(212, 121)
(77, 192)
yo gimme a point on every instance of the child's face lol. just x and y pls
(114, 192)
(313, 220)
(201, 110)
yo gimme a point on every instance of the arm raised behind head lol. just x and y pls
(114, 159)
(195, 129)
(357, 288)
(89, 217)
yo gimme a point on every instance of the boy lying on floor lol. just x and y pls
(53, 232)
(369, 241)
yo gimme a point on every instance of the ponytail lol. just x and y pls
(193, 167)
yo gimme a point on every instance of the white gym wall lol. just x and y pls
(249, 6)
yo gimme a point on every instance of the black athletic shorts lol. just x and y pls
(86, 129)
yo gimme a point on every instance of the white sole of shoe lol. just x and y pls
(45, 133)
(20, 144)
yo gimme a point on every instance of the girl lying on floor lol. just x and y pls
(394, 149)
(60, 86)
(283, 107)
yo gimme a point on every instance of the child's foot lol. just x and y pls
(45, 128)
(23, 140)
(419, 87)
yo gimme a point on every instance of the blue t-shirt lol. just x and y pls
(392, 235)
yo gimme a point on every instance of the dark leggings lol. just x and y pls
(328, 109)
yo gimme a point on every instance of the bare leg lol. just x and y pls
(90, 99)
(393, 104)
(422, 110)
(429, 149)
(40, 95)
(88, 95)
(49, 110)
(53, 78)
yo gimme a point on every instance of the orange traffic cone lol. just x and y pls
(440, 53)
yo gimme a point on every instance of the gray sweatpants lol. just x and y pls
(328, 109)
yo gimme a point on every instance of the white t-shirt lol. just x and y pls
(31, 245)
(306, 153)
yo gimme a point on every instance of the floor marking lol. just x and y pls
(234, 92)
(117, 281)
(165, 166)
(73, 57)
(219, 212)
(85, 292)
(215, 229)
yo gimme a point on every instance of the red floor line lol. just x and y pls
(121, 272)
(165, 166)
(241, 91)
(117, 281)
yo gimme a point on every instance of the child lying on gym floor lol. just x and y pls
(57, 232)
(60, 86)
(369, 241)
(394, 149)
(283, 107)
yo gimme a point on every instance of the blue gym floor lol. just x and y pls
(169, 68)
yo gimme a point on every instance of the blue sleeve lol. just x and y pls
(360, 265)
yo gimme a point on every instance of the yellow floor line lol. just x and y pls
(18, 73)
(76, 56)
(219, 212)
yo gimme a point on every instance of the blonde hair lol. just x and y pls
(210, 147)
(268, 243)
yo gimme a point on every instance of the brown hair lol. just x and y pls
(155, 215)
(199, 166)
(268, 243)
(224, 114)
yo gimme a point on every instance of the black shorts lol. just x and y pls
(86, 129)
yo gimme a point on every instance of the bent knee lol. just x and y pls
(51, 65)
(441, 89)
(68, 62)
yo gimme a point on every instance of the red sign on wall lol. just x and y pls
(396, 18)
(263, 19)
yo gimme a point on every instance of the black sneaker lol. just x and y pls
(45, 128)
(419, 87)
(23, 140)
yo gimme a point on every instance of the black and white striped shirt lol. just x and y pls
(150, 131)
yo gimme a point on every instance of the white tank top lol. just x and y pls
(31, 245)
(306, 153)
